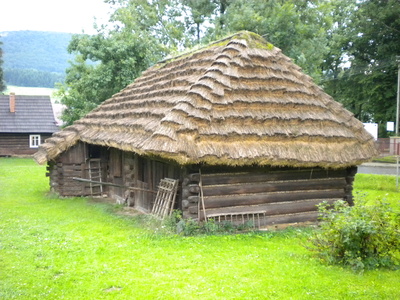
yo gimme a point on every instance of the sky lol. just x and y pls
(72, 16)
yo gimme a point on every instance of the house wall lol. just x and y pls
(147, 174)
(131, 179)
(136, 178)
(120, 171)
(75, 163)
(68, 165)
(264, 196)
(18, 143)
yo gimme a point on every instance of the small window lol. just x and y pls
(34, 140)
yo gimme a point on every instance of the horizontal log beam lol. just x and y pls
(291, 219)
(194, 177)
(267, 209)
(233, 178)
(189, 191)
(264, 187)
(114, 185)
(194, 188)
(254, 199)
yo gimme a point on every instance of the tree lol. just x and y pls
(139, 34)
(299, 28)
(2, 84)
(200, 11)
(370, 40)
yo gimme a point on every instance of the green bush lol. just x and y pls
(364, 236)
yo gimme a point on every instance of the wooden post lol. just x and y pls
(201, 194)
(398, 95)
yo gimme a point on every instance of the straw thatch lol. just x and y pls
(238, 101)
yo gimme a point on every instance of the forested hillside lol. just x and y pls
(35, 58)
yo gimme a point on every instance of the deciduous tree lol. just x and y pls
(299, 28)
(369, 40)
(139, 34)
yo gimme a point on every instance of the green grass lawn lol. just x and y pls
(53, 248)
(377, 187)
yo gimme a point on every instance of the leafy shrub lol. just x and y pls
(364, 236)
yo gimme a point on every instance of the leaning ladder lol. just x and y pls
(165, 199)
(95, 175)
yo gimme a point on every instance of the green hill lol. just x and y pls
(35, 58)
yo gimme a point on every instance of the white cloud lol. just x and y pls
(52, 15)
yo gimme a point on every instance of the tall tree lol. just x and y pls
(335, 59)
(200, 11)
(2, 84)
(370, 41)
(139, 34)
(298, 27)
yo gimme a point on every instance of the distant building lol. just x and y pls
(25, 122)
(372, 129)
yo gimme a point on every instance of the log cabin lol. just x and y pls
(248, 136)
(25, 122)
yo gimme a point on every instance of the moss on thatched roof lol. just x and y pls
(238, 101)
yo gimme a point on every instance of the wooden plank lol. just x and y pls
(291, 218)
(75, 154)
(254, 199)
(318, 184)
(72, 185)
(71, 174)
(268, 208)
(234, 178)
(142, 198)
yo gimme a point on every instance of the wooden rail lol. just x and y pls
(113, 184)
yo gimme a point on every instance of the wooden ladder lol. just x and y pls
(165, 199)
(96, 189)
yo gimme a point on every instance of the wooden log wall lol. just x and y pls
(350, 175)
(70, 164)
(268, 197)
(18, 144)
(128, 177)
(147, 174)
(61, 181)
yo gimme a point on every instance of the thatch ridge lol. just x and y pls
(238, 101)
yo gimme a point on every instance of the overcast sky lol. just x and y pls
(71, 16)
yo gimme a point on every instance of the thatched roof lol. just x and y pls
(238, 101)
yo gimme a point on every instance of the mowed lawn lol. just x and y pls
(75, 248)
